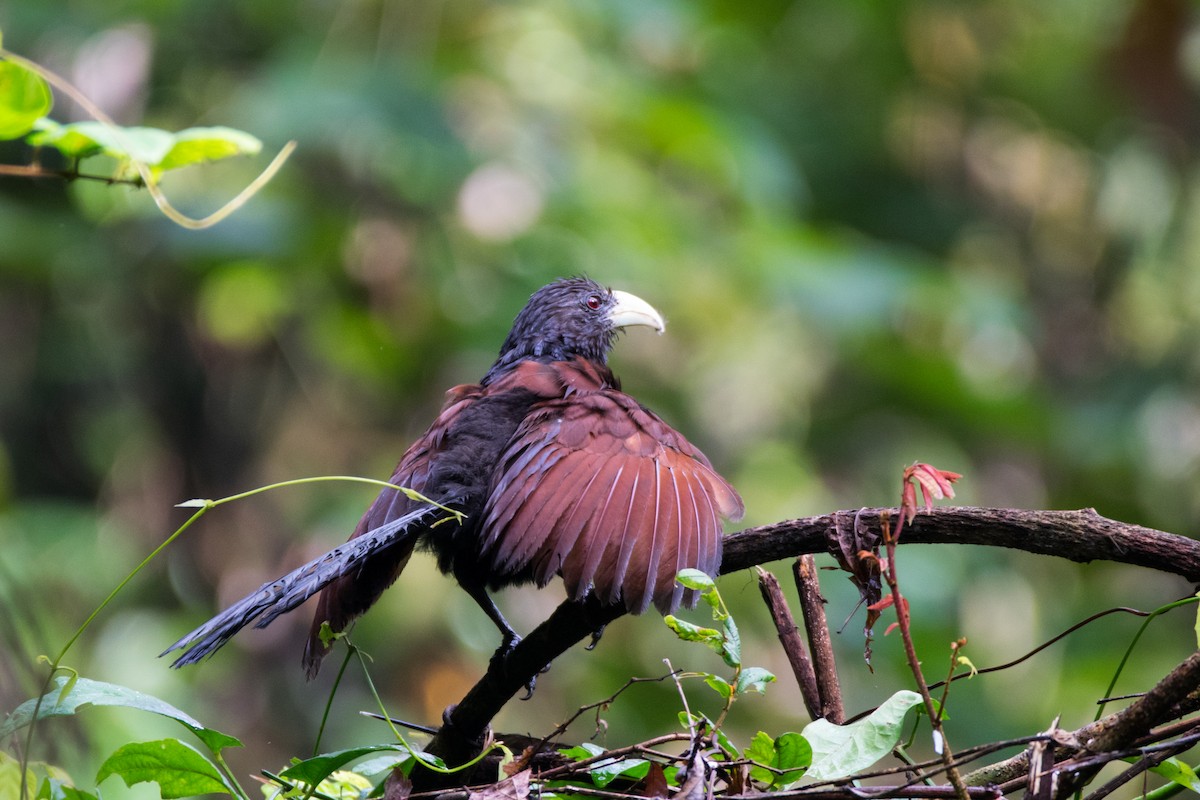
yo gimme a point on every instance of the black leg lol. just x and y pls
(510, 637)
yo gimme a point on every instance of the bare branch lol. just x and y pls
(789, 638)
(812, 606)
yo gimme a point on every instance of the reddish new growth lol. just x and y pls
(935, 485)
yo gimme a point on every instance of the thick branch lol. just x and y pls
(1075, 535)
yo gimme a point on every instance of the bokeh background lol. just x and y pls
(963, 233)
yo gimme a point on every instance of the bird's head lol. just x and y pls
(573, 317)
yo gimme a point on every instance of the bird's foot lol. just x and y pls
(504, 652)
(596, 634)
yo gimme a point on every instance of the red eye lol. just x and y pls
(594, 301)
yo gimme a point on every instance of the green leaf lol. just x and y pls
(177, 768)
(761, 750)
(842, 750)
(81, 139)
(731, 641)
(788, 756)
(632, 768)
(690, 632)
(158, 149)
(56, 789)
(314, 770)
(1198, 621)
(24, 99)
(65, 700)
(754, 679)
(10, 777)
(583, 751)
(793, 755)
(197, 145)
(719, 685)
(1178, 772)
(374, 766)
(695, 579)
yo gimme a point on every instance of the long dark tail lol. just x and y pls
(282, 595)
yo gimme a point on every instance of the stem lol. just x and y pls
(329, 703)
(1129, 650)
(230, 779)
(910, 651)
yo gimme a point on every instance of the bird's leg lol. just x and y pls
(510, 637)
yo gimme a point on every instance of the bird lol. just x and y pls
(552, 469)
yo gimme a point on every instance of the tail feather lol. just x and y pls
(280, 596)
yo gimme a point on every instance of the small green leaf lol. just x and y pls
(177, 768)
(71, 694)
(695, 579)
(690, 632)
(314, 770)
(197, 145)
(158, 149)
(793, 755)
(195, 503)
(56, 789)
(1178, 772)
(583, 751)
(788, 757)
(842, 750)
(1198, 621)
(762, 752)
(731, 641)
(754, 679)
(24, 99)
(719, 685)
(632, 768)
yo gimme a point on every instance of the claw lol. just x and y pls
(596, 634)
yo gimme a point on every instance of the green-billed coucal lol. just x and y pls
(556, 471)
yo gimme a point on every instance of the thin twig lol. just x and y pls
(910, 650)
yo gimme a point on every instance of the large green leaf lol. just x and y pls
(69, 696)
(314, 770)
(24, 99)
(839, 751)
(177, 768)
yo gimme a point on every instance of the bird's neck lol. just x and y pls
(542, 352)
(553, 377)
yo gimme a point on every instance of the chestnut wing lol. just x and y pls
(598, 489)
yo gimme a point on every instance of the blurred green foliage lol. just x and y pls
(963, 233)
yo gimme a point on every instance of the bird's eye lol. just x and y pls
(594, 301)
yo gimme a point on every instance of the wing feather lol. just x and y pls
(598, 489)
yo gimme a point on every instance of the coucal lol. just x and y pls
(556, 472)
